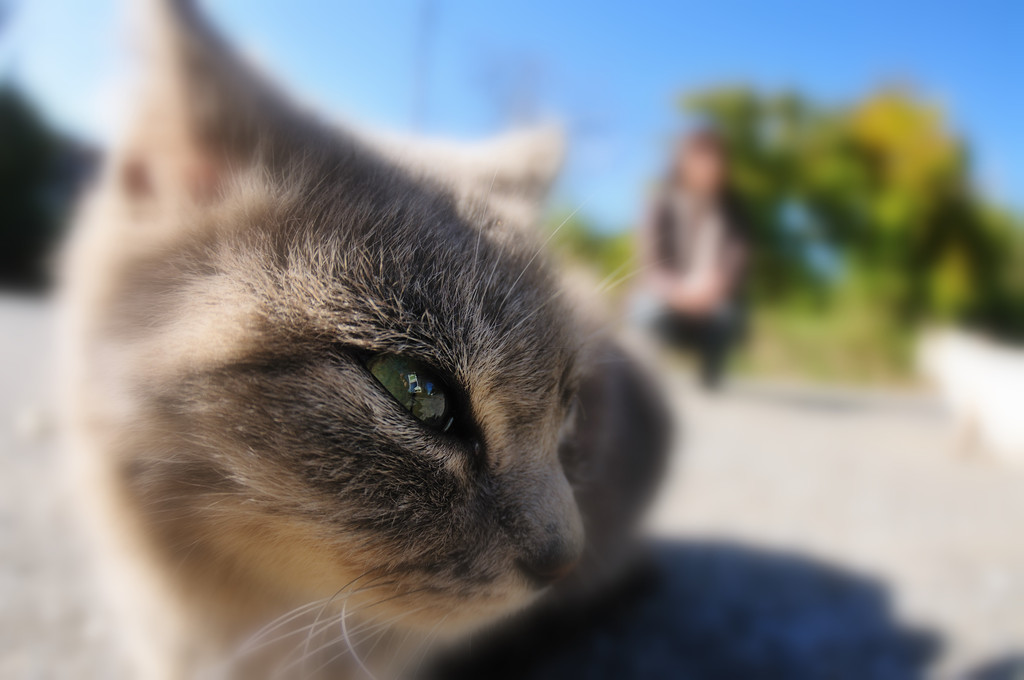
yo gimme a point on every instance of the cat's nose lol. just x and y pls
(550, 564)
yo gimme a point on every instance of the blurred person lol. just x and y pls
(694, 250)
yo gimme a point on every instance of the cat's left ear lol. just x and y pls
(202, 112)
(509, 175)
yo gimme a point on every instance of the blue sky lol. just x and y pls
(609, 71)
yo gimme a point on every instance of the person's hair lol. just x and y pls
(706, 140)
(700, 140)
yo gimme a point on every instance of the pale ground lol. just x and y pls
(866, 482)
(872, 483)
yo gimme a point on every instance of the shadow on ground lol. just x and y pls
(714, 610)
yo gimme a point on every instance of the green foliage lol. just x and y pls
(41, 173)
(864, 223)
(844, 340)
(28, 222)
(882, 187)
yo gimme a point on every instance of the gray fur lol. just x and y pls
(228, 276)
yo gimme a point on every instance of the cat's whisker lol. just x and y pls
(259, 639)
(314, 628)
(368, 628)
(351, 645)
(318, 626)
(536, 310)
(480, 231)
(623, 279)
(326, 624)
(543, 246)
(381, 631)
(295, 657)
(601, 288)
(284, 619)
(615, 272)
(253, 643)
(348, 633)
(328, 604)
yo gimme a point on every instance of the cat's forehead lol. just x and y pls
(399, 267)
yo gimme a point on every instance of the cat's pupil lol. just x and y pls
(416, 387)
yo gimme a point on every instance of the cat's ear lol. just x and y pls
(511, 174)
(514, 173)
(201, 113)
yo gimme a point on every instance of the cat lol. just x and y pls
(329, 404)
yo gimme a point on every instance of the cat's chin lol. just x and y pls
(476, 615)
(451, 618)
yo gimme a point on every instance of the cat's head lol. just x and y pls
(331, 366)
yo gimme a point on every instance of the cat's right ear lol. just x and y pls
(511, 174)
(201, 112)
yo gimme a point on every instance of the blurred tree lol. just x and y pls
(875, 195)
(40, 174)
(26, 154)
(865, 225)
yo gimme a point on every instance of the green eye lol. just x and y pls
(416, 387)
